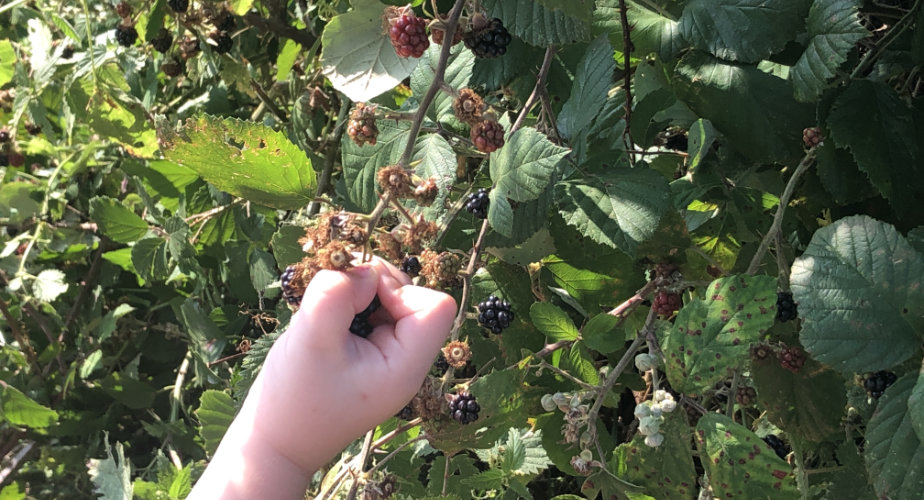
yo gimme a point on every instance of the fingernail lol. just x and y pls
(363, 271)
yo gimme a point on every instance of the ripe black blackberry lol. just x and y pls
(464, 409)
(68, 52)
(487, 136)
(665, 303)
(878, 382)
(411, 266)
(222, 42)
(225, 22)
(4, 135)
(360, 325)
(33, 128)
(785, 307)
(677, 142)
(406, 413)
(293, 297)
(779, 447)
(126, 35)
(489, 41)
(477, 203)
(495, 314)
(408, 34)
(178, 5)
(162, 41)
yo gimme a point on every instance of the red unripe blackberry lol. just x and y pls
(785, 307)
(162, 41)
(477, 203)
(464, 409)
(811, 137)
(791, 358)
(495, 314)
(439, 33)
(408, 34)
(746, 396)
(488, 136)
(126, 35)
(124, 10)
(666, 303)
(490, 41)
(178, 5)
(362, 128)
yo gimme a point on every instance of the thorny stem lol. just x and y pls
(363, 455)
(394, 452)
(584, 385)
(467, 282)
(627, 65)
(331, 158)
(781, 264)
(778, 217)
(540, 82)
(900, 26)
(446, 474)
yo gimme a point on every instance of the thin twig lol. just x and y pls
(467, 281)
(627, 49)
(363, 456)
(778, 217)
(394, 452)
(331, 159)
(540, 82)
(545, 366)
(781, 264)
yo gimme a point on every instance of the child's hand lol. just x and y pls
(322, 386)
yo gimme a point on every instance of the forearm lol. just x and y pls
(246, 466)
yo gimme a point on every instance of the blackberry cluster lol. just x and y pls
(162, 41)
(4, 135)
(225, 23)
(173, 68)
(792, 358)
(666, 303)
(360, 325)
(878, 382)
(33, 128)
(477, 203)
(178, 5)
(487, 136)
(409, 36)
(746, 396)
(126, 35)
(464, 409)
(811, 137)
(785, 307)
(293, 297)
(779, 447)
(411, 266)
(677, 142)
(495, 314)
(490, 41)
(223, 42)
(406, 413)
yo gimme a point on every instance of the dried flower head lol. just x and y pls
(419, 235)
(457, 353)
(335, 256)
(396, 180)
(426, 192)
(468, 106)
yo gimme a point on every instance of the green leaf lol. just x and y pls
(500, 214)
(536, 24)
(116, 221)
(246, 159)
(262, 269)
(711, 336)
(149, 258)
(7, 62)
(742, 30)
(360, 163)
(894, 453)
(48, 285)
(653, 31)
(487, 480)
(111, 476)
(601, 334)
(12, 492)
(215, 413)
(643, 125)
(887, 146)
(552, 322)
(130, 392)
(739, 464)
(666, 471)
(107, 324)
(807, 404)
(19, 201)
(858, 289)
(578, 363)
(701, 136)
(916, 406)
(580, 9)
(284, 243)
(619, 209)
(240, 7)
(756, 111)
(592, 81)
(358, 57)
(253, 362)
(286, 59)
(458, 73)
(834, 28)
(523, 168)
(20, 410)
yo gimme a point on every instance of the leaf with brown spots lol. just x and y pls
(666, 472)
(739, 464)
(711, 336)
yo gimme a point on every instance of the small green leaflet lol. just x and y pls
(19, 410)
(215, 413)
(834, 28)
(111, 475)
(894, 453)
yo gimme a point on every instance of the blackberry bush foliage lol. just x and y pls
(163, 208)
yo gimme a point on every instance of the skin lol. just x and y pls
(321, 387)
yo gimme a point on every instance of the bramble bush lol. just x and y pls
(685, 238)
